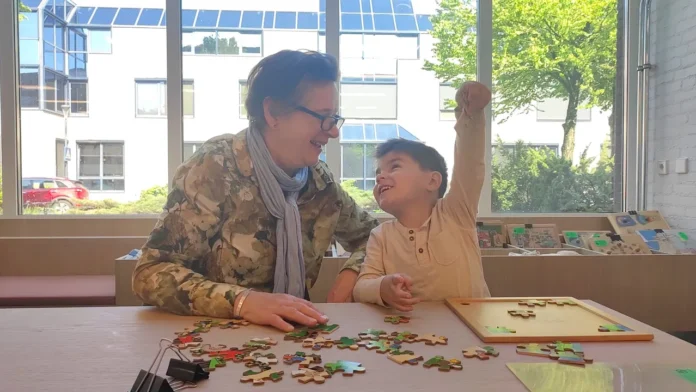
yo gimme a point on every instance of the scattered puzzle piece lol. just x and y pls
(382, 345)
(317, 343)
(183, 342)
(522, 313)
(396, 319)
(259, 378)
(569, 358)
(482, 353)
(345, 342)
(205, 349)
(260, 343)
(405, 356)
(500, 329)
(233, 324)
(614, 328)
(405, 336)
(533, 349)
(305, 360)
(299, 335)
(572, 347)
(210, 364)
(443, 364)
(188, 332)
(232, 354)
(532, 303)
(373, 334)
(561, 302)
(263, 361)
(347, 367)
(317, 374)
(431, 339)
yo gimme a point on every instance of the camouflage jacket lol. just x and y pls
(215, 237)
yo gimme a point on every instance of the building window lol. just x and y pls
(447, 94)
(221, 43)
(78, 97)
(54, 43)
(77, 53)
(151, 98)
(29, 87)
(554, 109)
(358, 146)
(243, 92)
(190, 148)
(368, 101)
(29, 38)
(99, 40)
(55, 91)
(101, 166)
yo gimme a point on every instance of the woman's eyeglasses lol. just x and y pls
(327, 122)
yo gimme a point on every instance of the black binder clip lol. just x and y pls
(184, 373)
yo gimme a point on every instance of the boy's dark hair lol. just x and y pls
(281, 77)
(427, 157)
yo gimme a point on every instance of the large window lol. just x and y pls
(101, 166)
(151, 98)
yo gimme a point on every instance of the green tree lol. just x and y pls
(216, 45)
(541, 49)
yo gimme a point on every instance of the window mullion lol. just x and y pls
(175, 122)
(484, 66)
(333, 148)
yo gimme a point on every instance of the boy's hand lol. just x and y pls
(471, 97)
(396, 292)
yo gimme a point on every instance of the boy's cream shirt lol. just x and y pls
(442, 256)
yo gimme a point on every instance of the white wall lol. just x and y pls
(672, 111)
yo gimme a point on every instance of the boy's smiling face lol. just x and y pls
(401, 181)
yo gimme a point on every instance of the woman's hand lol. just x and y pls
(342, 290)
(273, 309)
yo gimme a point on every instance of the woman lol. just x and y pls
(250, 215)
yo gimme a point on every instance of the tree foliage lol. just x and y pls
(541, 49)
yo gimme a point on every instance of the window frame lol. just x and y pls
(101, 176)
(10, 110)
(162, 92)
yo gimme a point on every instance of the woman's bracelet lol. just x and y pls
(240, 303)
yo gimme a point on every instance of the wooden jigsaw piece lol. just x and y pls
(382, 345)
(396, 319)
(405, 336)
(431, 339)
(405, 356)
(500, 329)
(443, 364)
(563, 347)
(345, 342)
(232, 354)
(259, 378)
(183, 342)
(264, 361)
(205, 349)
(317, 343)
(522, 313)
(569, 358)
(614, 328)
(210, 364)
(233, 324)
(260, 344)
(317, 374)
(533, 349)
(373, 334)
(305, 360)
(532, 303)
(347, 367)
(561, 302)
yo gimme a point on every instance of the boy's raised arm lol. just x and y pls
(469, 170)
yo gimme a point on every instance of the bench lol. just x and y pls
(45, 291)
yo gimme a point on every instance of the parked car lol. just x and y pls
(60, 194)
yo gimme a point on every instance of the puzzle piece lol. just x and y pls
(299, 335)
(569, 358)
(482, 353)
(500, 329)
(347, 367)
(533, 349)
(183, 342)
(405, 356)
(232, 354)
(405, 336)
(324, 328)
(532, 303)
(373, 334)
(205, 325)
(345, 342)
(522, 313)
(259, 378)
(431, 339)
(614, 328)
(233, 324)
(304, 359)
(317, 343)
(188, 332)
(260, 343)
(315, 373)
(561, 302)
(382, 345)
(396, 319)
(443, 364)
(206, 348)
(210, 364)
(263, 361)
(562, 347)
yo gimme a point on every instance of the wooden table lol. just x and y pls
(102, 349)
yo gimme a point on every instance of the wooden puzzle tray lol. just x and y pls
(559, 318)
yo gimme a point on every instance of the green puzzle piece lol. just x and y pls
(382, 346)
(500, 329)
(345, 342)
(560, 347)
(687, 374)
(347, 367)
(405, 336)
(324, 328)
(614, 328)
(216, 362)
(375, 333)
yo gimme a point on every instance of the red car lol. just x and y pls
(58, 193)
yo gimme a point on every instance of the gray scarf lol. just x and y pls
(280, 192)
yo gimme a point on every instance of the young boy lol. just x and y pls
(430, 251)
